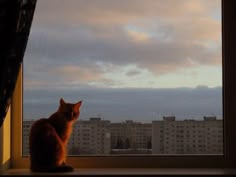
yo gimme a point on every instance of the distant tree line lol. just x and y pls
(125, 144)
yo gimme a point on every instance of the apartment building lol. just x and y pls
(168, 136)
(188, 136)
(131, 135)
(90, 137)
(25, 136)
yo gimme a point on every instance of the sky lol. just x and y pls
(84, 47)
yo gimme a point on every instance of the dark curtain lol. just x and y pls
(15, 22)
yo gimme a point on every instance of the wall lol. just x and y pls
(5, 145)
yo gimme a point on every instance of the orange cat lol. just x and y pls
(49, 137)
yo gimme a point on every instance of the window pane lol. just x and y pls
(149, 74)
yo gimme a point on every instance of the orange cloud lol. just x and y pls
(78, 73)
(138, 36)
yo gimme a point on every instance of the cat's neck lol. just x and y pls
(61, 125)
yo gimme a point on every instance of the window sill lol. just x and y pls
(128, 171)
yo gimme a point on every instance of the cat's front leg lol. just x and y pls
(63, 163)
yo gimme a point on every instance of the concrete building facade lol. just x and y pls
(131, 135)
(25, 136)
(168, 136)
(90, 137)
(188, 136)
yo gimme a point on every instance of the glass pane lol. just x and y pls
(149, 74)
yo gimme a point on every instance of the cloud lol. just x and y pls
(66, 76)
(112, 11)
(80, 34)
(123, 104)
(138, 36)
(133, 73)
(75, 73)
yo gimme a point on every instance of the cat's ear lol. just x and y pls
(77, 105)
(62, 102)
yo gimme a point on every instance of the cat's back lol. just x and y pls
(39, 125)
(40, 130)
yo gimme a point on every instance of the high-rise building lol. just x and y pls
(90, 137)
(135, 136)
(25, 135)
(187, 136)
(168, 136)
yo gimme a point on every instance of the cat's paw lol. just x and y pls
(66, 168)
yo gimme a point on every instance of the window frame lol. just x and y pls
(227, 160)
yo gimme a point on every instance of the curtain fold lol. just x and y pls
(15, 21)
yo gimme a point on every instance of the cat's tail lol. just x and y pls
(62, 168)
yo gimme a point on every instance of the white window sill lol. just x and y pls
(128, 171)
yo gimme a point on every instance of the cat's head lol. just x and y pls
(70, 111)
